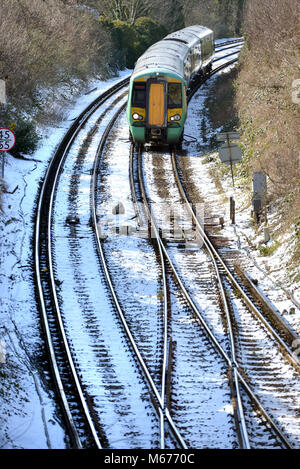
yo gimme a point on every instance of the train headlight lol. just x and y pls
(176, 117)
(137, 117)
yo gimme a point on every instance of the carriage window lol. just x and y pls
(139, 95)
(174, 95)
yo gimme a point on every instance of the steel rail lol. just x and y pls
(237, 373)
(165, 304)
(236, 368)
(276, 316)
(193, 90)
(232, 279)
(240, 411)
(58, 311)
(63, 147)
(165, 347)
(241, 418)
(46, 327)
(54, 167)
(294, 359)
(158, 397)
(225, 56)
(230, 43)
(132, 188)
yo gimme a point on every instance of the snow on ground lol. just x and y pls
(217, 188)
(28, 412)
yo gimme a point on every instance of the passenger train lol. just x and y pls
(157, 99)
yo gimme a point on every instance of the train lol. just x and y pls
(157, 98)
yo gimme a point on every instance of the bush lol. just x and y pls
(43, 43)
(148, 32)
(268, 250)
(268, 116)
(131, 40)
(24, 129)
(26, 137)
(123, 37)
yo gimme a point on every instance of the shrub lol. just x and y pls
(268, 250)
(44, 43)
(24, 129)
(131, 40)
(148, 31)
(26, 137)
(123, 36)
(268, 116)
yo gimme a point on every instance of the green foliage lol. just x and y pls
(26, 137)
(131, 40)
(268, 250)
(148, 31)
(169, 13)
(24, 129)
(123, 37)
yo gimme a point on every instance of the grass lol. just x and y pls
(268, 250)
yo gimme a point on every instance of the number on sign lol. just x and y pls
(4, 146)
(7, 139)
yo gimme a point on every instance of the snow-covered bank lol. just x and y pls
(215, 184)
(29, 416)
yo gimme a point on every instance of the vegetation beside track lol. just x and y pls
(50, 49)
(261, 99)
(268, 110)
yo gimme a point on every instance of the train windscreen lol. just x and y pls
(139, 95)
(174, 95)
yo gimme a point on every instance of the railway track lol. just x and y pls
(71, 395)
(228, 45)
(157, 391)
(239, 375)
(224, 277)
(50, 279)
(156, 232)
(288, 335)
(78, 403)
(229, 354)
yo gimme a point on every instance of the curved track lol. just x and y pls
(154, 359)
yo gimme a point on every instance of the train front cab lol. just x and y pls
(158, 109)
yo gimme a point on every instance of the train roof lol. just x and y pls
(170, 52)
(162, 55)
(189, 35)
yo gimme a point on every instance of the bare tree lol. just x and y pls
(123, 10)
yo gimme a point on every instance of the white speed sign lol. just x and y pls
(7, 139)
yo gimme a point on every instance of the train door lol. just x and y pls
(156, 104)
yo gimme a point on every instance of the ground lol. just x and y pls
(30, 418)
